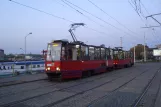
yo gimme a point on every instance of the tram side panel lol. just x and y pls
(109, 63)
(71, 69)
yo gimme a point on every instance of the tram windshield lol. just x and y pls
(53, 52)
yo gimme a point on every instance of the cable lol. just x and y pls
(52, 15)
(144, 7)
(82, 13)
(87, 18)
(97, 17)
(58, 3)
(136, 11)
(41, 11)
(110, 16)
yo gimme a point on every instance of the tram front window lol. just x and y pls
(53, 52)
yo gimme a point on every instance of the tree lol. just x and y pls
(139, 51)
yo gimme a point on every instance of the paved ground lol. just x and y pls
(130, 87)
(5, 81)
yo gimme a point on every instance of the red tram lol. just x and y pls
(75, 59)
(122, 58)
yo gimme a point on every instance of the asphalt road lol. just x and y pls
(130, 87)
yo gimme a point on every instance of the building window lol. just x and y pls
(22, 67)
(4, 67)
(34, 66)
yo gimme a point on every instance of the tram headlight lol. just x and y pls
(48, 68)
(57, 68)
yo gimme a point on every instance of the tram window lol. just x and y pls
(116, 55)
(0, 68)
(111, 54)
(77, 52)
(91, 53)
(38, 66)
(97, 54)
(70, 54)
(121, 55)
(108, 54)
(84, 52)
(22, 67)
(103, 53)
(63, 53)
(125, 55)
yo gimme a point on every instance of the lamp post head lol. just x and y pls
(30, 33)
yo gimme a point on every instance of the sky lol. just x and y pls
(17, 21)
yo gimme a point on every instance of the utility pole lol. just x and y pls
(134, 54)
(144, 49)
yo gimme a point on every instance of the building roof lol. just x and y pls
(151, 49)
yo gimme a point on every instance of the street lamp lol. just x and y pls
(25, 43)
(25, 46)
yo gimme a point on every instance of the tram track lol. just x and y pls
(82, 92)
(140, 98)
(116, 92)
(103, 75)
(67, 98)
(85, 82)
(157, 94)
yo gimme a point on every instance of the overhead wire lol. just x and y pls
(78, 11)
(52, 15)
(136, 11)
(97, 17)
(41, 11)
(153, 31)
(58, 3)
(110, 16)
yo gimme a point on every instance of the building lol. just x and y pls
(150, 53)
(158, 46)
(1, 54)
